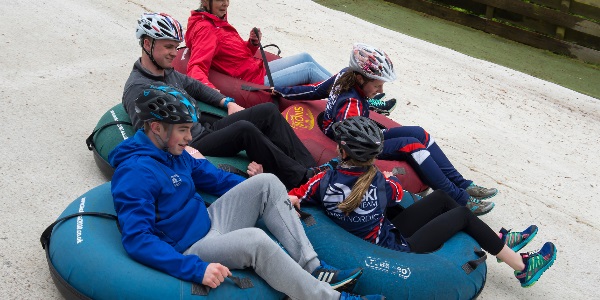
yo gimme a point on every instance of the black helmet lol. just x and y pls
(166, 104)
(360, 137)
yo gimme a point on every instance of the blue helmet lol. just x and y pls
(166, 104)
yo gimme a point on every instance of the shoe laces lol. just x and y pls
(376, 102)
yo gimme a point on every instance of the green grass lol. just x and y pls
(570, 73)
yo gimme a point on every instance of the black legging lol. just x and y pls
(431, 221)
(266, 136)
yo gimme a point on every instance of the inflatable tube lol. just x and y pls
(227, 85)
(87, 261)
(302, 117)
(115, 126)
(455, 271)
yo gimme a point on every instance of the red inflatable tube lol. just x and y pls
(302, 116)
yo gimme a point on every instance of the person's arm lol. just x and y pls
(254, 41)
(347, 108)
(393, 189)
(211, 179)
(131, 92)
(199, 90)
(308, 192)
(133, 192)
(306, 92)
(203, 44)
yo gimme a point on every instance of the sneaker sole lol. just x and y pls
(523, 243)
(537, 275)
(346, 284)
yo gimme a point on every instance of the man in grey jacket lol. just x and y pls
(261, 131)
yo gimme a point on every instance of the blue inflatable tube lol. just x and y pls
(455, 271)
(87, 261)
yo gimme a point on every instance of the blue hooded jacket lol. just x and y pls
(159, 210)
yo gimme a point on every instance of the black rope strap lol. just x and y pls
(241, 282)
(90, 140)
(471, 265)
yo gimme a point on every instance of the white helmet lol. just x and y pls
(159, 26)
(371, 62)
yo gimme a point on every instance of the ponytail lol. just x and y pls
(360, 188)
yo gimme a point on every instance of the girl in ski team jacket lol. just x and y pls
(364, 201)
(348, 93)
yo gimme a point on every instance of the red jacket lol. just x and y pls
(215, 44)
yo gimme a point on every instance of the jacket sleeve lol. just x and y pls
(136, 212)
(131, 93)
(203, 44)
(393, 190)
(307, 92)
(347, 108)
(212, 180)
(200, 91)
(309, 192)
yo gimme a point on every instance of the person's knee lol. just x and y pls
(270, 182)
(304, 56)
(244, 128)
(256, 239)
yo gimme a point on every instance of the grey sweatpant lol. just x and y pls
(234, 242)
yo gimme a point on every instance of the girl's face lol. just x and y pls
(373, 87)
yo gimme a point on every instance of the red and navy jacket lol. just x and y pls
(367, 221)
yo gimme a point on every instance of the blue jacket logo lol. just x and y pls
(176, 180)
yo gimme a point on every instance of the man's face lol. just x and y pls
(164, 51)
(179, 138)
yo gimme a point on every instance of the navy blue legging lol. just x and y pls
(414, 145)
(433, 220)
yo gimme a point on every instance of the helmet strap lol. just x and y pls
(151, 54)
(164, 143)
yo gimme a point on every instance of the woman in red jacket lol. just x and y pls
(214, 43)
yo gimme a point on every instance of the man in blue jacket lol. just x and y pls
(166, 225)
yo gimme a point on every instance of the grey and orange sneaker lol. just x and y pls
(536, 263)
(517, 240)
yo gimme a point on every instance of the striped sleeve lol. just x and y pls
(309, 191)
(394, 190)
(351, 107)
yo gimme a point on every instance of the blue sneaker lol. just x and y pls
(535, 264)
(517, 240)
(330, 165)
(335, 277)
(346, 296)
